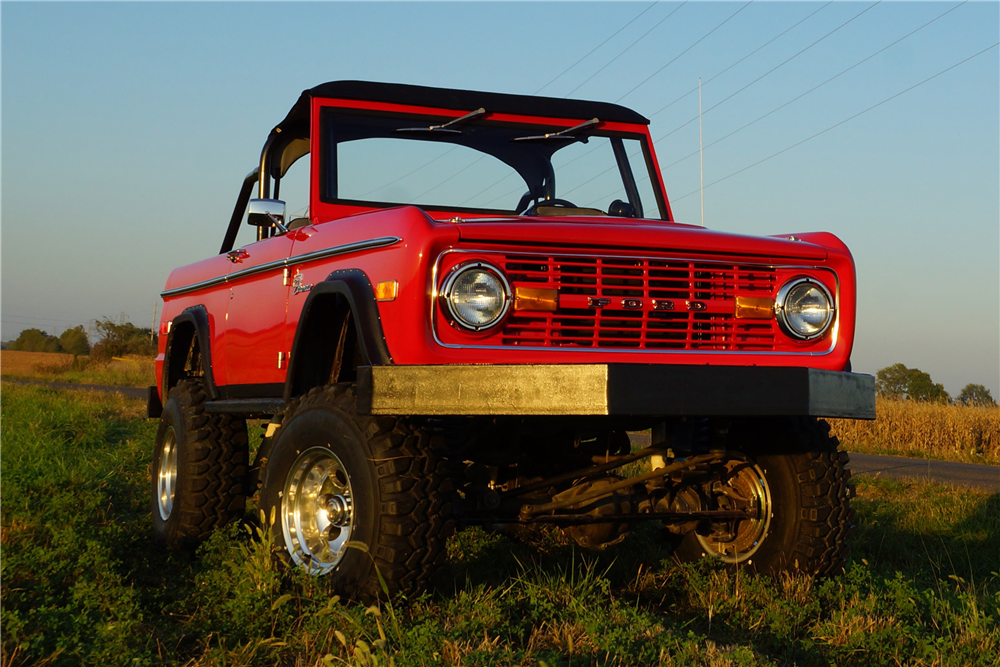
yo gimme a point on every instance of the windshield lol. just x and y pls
(474, 164)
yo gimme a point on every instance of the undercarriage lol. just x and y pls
(686, 478)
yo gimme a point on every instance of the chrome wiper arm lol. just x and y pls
(561, 134)
(445, 127)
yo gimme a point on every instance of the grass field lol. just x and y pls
(53, 367)
(84, 585)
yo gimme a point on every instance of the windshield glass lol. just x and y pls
(485, 166)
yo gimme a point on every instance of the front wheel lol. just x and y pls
(335, 478)
(794, 484)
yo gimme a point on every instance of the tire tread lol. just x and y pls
(210, 480)
(415, 493)
(826, 519)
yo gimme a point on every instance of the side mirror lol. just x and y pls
(266, 213)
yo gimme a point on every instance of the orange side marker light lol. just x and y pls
(754, 308)
(386, 290)
(536, 298)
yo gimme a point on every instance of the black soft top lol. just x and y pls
(459, 100)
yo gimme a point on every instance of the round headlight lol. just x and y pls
(804, 308)
(477, 295)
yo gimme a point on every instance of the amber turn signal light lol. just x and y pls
(386, 290)
(535, 298)
(754, 308)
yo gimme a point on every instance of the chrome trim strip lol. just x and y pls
(456, 219)
(604, 350)
(357, 246)
(193, 287)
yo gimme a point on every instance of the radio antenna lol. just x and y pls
(152, 328)
(701, 155)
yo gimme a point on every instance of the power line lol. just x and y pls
(427, 164)
(692, 154)
(636, 41)
(595, 48)
(762, 46)
(460, 171)
(627, 48)
(602, 68)
(28, 318)
(817, 87)
(75, 313)
(582, 155)
(643, 82)
(782, 64)
(489, 187)
(506, 194)
(856, 16)
(874, 106)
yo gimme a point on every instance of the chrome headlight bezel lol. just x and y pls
(781, 302)
(479, 267)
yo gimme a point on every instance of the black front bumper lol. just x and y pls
(614, 389)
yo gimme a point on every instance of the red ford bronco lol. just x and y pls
(480, 296)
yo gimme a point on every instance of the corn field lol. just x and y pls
(925, 430)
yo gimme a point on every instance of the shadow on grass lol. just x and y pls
(921, 582)
(480, 557)
(925, 538)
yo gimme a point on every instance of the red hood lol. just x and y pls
(632, 234)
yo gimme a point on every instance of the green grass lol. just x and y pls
(84, 585)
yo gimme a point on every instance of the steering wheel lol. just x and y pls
(533, 209)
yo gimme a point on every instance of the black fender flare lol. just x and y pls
(350, 288)
(197, 317)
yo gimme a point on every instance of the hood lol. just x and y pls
(630, 234)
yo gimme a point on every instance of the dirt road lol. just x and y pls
(970, 475)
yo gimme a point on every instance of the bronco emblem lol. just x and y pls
(297, 285)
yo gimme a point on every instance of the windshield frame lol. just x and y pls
(517, 155)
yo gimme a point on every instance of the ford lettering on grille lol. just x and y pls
(639, 303)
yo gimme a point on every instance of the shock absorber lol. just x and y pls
(701, 435)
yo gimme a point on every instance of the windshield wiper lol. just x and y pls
(445, 127)
(561, 134)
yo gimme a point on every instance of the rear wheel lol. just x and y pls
(335, 477)
(199, 462)
(798, 500)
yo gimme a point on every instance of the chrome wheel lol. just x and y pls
(742, 487)
(166, 478)
(317, 510)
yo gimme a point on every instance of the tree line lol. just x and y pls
(114, 339)
(117, 339)
(901, 383)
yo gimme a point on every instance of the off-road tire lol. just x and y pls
(810, 522)
(211, 462)
(401, 491)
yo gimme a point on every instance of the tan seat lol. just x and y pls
(550, 211)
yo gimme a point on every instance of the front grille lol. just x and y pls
(700, 294)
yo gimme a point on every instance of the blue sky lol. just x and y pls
(128, 127)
